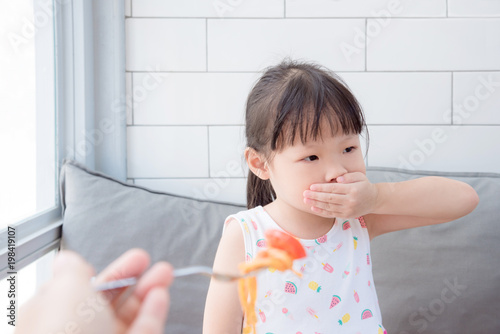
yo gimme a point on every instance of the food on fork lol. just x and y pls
(282, 249)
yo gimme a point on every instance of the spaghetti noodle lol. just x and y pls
(282, 250)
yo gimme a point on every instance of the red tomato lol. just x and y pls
(284, 241)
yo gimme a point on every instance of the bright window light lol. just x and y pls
(27, 116)
(27, 130)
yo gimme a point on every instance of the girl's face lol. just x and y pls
(295, 168)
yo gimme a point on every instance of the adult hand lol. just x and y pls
(69, 304)
(352, 196)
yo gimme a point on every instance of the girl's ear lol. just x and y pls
(257, 163)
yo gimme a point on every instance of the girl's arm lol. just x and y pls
(388, 207)
(419, 202)
(223, 312)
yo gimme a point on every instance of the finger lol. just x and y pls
(331, 210)
(335, 188)
(153, 313)
(325, 213)
(334, 208)
(326, 197)
(325, 208)
(70, 263)
(159, 276)
(131, 264)
(351, 177)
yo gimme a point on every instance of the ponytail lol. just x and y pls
(259, 192)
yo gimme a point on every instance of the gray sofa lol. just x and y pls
(435, 279)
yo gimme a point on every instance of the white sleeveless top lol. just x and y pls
(336, 293)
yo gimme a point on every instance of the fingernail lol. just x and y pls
(340, 179)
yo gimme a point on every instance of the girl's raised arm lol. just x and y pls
(388, 207)
(419, 202)
(223, 312)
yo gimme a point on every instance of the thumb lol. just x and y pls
(153, 313)
(68, 262)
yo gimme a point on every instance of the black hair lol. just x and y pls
(294, 100)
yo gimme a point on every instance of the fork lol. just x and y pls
(203, 270)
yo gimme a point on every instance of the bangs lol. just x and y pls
(311, 102)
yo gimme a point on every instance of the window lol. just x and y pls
(27, 119)
(28, 147)
(28, 123)
(48, 57)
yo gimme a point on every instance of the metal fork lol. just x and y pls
(193, 270)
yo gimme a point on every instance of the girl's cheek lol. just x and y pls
(358, 167)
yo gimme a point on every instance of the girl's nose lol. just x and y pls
(334, 172)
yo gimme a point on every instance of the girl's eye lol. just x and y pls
(349, 149)
(311, 158)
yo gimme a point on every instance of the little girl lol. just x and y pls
(307, 178)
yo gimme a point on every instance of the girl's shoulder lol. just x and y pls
(231, 250)
(252, 225)
(246, 213)
(255, 218)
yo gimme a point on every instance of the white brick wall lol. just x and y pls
(427, 74)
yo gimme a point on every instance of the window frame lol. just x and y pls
(77, 112)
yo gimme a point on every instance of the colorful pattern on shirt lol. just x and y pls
(336, 293)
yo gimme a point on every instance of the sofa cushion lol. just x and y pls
(435, 279)
(104, 217)
(443, 278)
